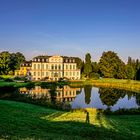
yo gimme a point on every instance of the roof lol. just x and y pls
(27, 64)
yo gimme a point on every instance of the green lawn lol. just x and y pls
(26, 121)
(14, 84)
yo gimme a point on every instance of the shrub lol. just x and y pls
(94, 75)
(8, 80)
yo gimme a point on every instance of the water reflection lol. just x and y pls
(61, 94)
(86, 97)
(87, 90)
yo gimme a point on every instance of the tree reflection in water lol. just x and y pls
(110, 96)
(87, 90)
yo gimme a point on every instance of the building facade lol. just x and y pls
(54, 68)
(24, 70)
(51, 68)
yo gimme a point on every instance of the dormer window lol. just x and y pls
(73, 60)
(34, 59)
(39, 60)
(66, 60)
(42, 60)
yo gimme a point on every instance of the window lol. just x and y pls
(38, 66)
(70, 73)
(34, 73)
(74, 67)
(42, 73)
(46, 73)
(73, 73)
(70, 67)
(66, 66)
(66, 73)
(38, 73)
(66, 93)
(59, 67)
(77, 73)
(52, 66)
(46, 66)
(55, 67)
(43, 66)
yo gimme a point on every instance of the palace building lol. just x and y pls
(54, 68)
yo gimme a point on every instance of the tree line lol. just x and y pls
(109, 65)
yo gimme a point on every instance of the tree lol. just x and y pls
(95, 67)
(80, 63)
(87, 65)
(10, 62)
(4, 62)
(20, 59)
(15, 61)
(130, 73)
(111, 66)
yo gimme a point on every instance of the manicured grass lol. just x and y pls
(26, 121)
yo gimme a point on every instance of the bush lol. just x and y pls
(1, 78)
(94, 75)
(20, 78)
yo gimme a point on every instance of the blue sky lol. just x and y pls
(70, 27)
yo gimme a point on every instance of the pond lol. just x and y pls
(85, 97)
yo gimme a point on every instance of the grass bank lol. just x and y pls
(131, 85)
(26, 121)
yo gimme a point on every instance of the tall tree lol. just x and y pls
(111, 66)
(87, 65)
(20, 59)
(79, 63)
(130, 73)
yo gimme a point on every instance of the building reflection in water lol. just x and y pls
(65, 93)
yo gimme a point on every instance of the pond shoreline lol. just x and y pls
(130, 85)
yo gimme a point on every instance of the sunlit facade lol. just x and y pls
(54, 68)
(24, 70)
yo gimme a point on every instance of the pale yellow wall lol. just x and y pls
(54, 69)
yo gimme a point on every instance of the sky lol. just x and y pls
(70, 27)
